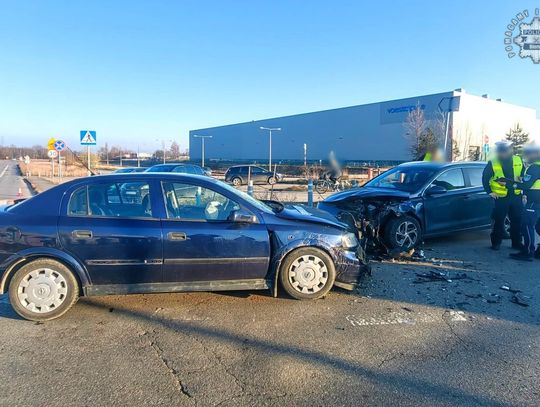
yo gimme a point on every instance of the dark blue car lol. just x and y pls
(183, 233)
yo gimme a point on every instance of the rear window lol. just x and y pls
(475, 176)
(124, 199)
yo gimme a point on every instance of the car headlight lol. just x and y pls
(349, 240)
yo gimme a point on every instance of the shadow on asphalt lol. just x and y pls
(399, 382)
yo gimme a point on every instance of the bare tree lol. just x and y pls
(415, 125)
(175, 150)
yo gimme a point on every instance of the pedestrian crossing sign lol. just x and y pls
(88, 138)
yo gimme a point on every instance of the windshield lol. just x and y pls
(408, 179)
(255, 202)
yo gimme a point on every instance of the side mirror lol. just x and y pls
(435, 190)
(242, 216)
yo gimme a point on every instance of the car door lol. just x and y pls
(111, 228)
(479, 204)
(258, 175)
(201, 243)
(445, 212)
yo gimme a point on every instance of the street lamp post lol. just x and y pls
(163, 147)
(202, 146)
(270, 130)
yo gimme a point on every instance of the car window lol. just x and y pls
(475, 176)
(191, 202)
(124, 199)
(257, 170)
(181, 168)
(409, 179)
(451, 179)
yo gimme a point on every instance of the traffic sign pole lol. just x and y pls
(88, 157)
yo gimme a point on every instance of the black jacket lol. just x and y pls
(532, 175)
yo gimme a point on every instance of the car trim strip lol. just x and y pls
(217, 260)
(123, 262)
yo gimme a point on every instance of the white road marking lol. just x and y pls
(4, 171)
(408, 318)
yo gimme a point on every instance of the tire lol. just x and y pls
(321, 186)
(402, 233)
(52, 293)
(318, 273)
(236, 181)
(272, 180)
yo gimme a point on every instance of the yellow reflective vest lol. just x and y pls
(502, 190)
(428, 157)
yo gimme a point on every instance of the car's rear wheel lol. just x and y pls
(272, 180)
(307, 273)
(402, 233)
(236, 181)
(43, 289)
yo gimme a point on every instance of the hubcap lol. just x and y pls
(308, 274)
(406, 234)
(42, 290)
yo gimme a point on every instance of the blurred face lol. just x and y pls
(504, 154)
(532, 157)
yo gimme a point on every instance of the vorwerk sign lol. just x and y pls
(405, 109)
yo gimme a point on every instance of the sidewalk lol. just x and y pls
(38, 184)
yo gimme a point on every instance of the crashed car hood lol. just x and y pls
(368, 192)
(307, 214)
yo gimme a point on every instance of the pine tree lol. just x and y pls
(518, 137)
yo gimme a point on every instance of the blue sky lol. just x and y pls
(139, 71)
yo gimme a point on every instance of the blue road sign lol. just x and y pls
(88, 138)
(59, 145)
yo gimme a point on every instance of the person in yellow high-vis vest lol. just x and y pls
(531, 201)
(507, 199)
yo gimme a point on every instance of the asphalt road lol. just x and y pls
(12, 185)
(395, 341)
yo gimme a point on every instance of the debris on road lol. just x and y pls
(433, 276)
(512, 290)
(519, 299)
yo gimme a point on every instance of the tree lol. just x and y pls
(175, 150)
(415, 124)
(518, 137)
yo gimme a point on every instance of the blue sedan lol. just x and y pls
(91, 237)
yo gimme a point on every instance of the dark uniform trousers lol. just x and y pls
(512, 207)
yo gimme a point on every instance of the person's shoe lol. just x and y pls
(521, 256)
(518, 246)
(496, 246)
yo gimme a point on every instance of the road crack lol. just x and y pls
(166, 363)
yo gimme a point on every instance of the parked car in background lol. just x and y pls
(181, 168)
(416, 200)
(239, 174)
(126, 170)
(187, 233)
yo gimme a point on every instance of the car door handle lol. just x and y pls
(176, 236)
(82, 234)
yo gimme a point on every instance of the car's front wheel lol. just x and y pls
(403, 233)
(307, 273)
(42, 290)
(272, 180)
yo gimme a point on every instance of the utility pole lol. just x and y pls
(270, 130)
(107, 152)
(202, 146)
(138, 157)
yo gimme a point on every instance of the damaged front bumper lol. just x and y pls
(350, 268)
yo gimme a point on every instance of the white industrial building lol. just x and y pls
(371, 132)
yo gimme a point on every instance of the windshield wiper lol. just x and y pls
(276, 206)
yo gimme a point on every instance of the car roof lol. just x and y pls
(435, 165)
(245, 165)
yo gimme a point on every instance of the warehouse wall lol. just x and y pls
(362, 133)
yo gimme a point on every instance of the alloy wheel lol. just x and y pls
(406, 234)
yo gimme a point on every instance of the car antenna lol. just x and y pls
(80, 161)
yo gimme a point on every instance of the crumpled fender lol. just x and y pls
(283, 243)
